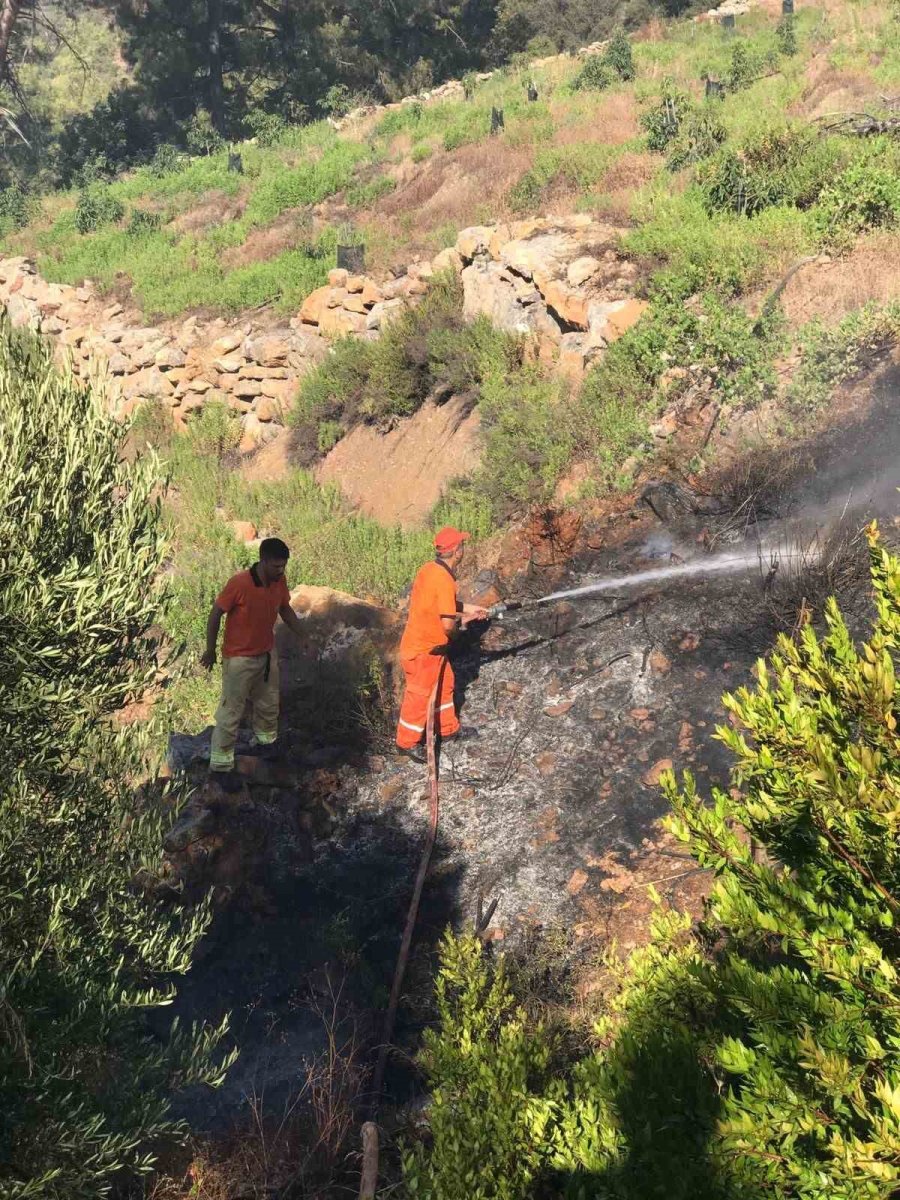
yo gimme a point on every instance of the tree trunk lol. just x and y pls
(216, 96)
(8, 17)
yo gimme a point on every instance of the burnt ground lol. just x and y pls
(555, 810)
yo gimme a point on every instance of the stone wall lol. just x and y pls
(253, 367)
(561, 280)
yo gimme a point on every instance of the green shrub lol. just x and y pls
(618, 55)
(426, 351)
(748, 63)
(786, 35)
(87, 947)
(201, 135)
(17, 207)
(142, 221)
(97, 206)
(528, 435)
(664, 119)
(831, 356)
(328, 434)
(758, 1056)
(484, 1062)
(865, 196)
(788, 165)
(700, 134)
(268, 128)
(337, 101)
(421, 152)
(167, 160)
(595, 75)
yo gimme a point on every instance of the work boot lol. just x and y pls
(465, 733)
(267, 751)
(228, 781)
(416, 753)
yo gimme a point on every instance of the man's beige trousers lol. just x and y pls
(243, 680)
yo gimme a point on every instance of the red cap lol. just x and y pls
(447, 539)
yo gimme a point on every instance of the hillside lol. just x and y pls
(642, 341)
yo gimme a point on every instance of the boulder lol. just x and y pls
(282, 390)
(546, 254)
(150, 383)
(268, 409)
(355, 284)
(382, 314)
(193, 825)
(371, 293)
(448, 260)
(473, 241)
(119, 364)
(246, 388)
(338, 322)
(228, 364)
(268, 351)
(226, 343)
(244, 531)
(170, 356)
(355, 303)
(338, 277)
(315, 304)
(570, 307)
(581, 270)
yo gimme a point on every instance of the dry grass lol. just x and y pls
(830, 89)
(611, 122)
(630, 171)
(308, 1149)
(288, 228)
(216, 209)
(831, 290)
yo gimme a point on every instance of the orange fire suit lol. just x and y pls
(423, 650)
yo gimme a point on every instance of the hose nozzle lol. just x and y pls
(497, 611)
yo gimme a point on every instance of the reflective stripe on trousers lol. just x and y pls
(421, 674)
(245, 679)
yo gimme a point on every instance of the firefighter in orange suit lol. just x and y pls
(435, 615)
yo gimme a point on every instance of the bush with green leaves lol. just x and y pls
(87, 948)
(748, 63)
(619, 57)
(757, 1055)
(201, 135)
(700, 134)
(864, 196)
(167, 160)
(429, 350)
(143, 221)
(831, 355)
(602, 70)
(97, 206)
(786, 35)
(267, 127)
(663, 119)
(778, 165)
(17, 207)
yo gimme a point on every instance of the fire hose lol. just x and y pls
(369, 1178)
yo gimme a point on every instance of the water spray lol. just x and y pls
(719, 564)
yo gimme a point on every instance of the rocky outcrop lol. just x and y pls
(253, 368)
(561, 280)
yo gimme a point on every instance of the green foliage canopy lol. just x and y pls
(85, 948)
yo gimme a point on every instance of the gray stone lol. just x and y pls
(189, 828)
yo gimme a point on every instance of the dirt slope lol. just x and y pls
(398, 477)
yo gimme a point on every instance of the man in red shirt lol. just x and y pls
(435, 615)
(250, 602)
